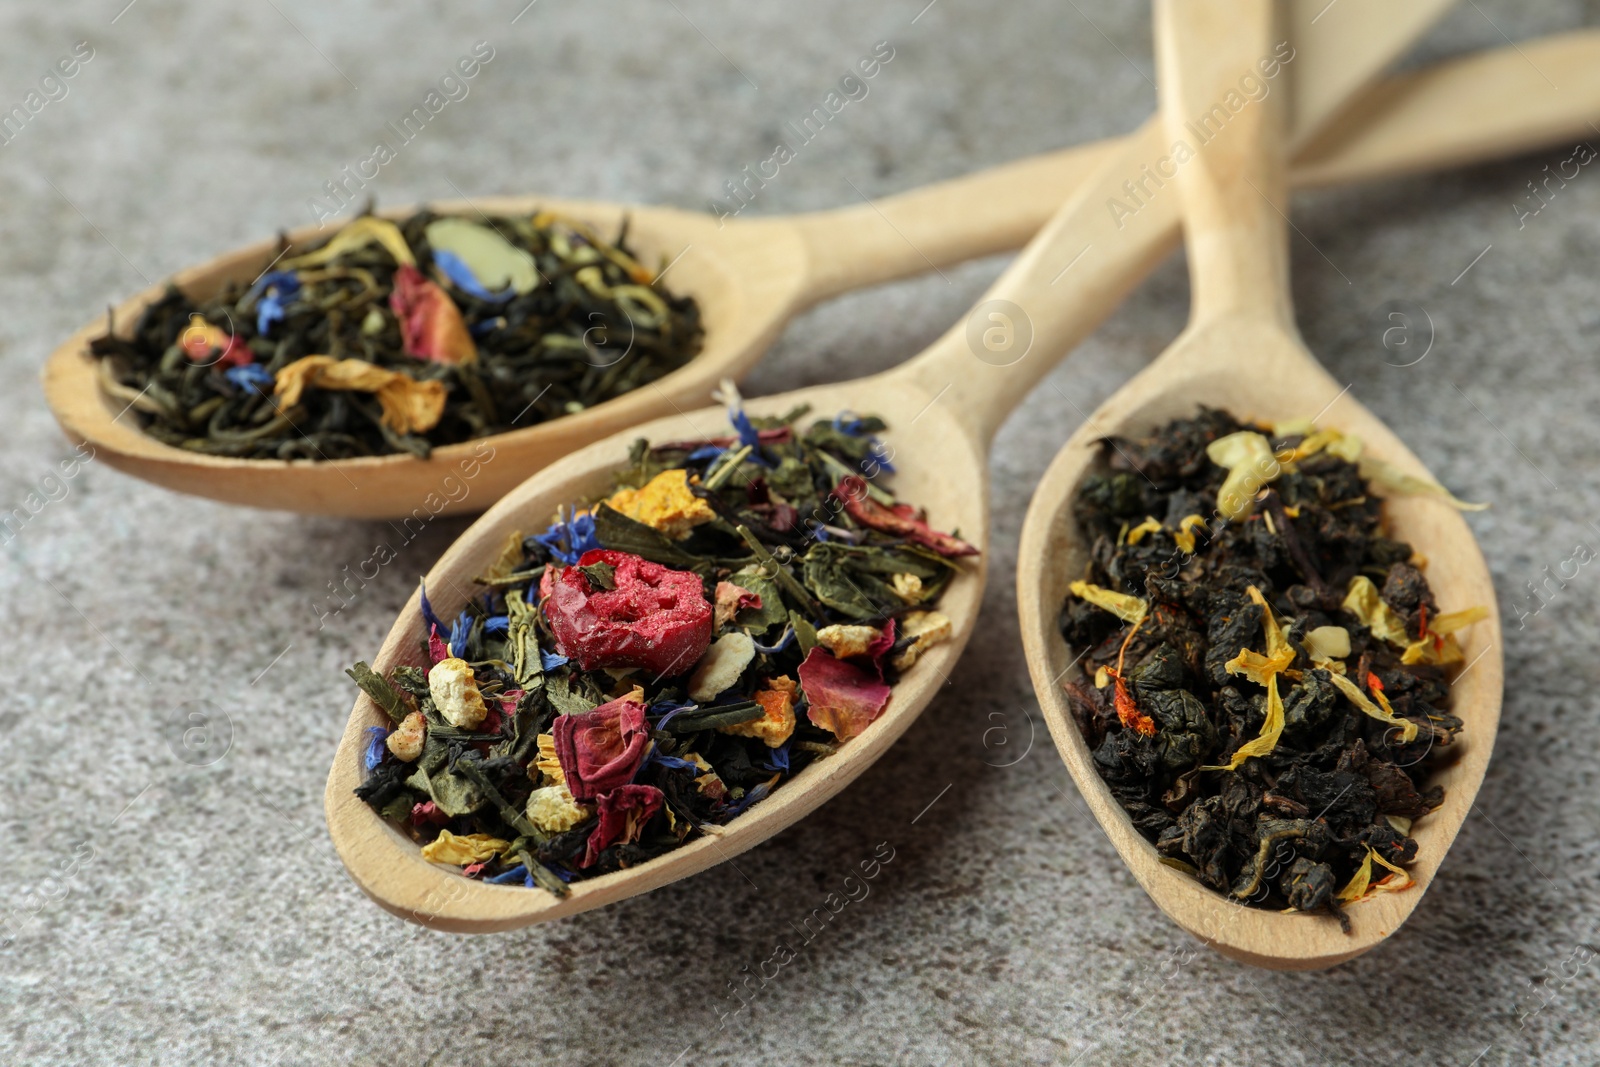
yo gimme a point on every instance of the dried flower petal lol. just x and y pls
(459, 850)
(732, 599)
(844, 698)
(409, 406)
(1247, 456)
(1124, 606)
(200, 339)
(900, 520)
(354, 236)
(431, 326)
(623, 812)
(1362, 600)
(602, 749)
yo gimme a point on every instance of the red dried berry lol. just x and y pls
(655, 617)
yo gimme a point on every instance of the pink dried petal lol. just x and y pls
(844, 698)
(623, 812)
(601, 750)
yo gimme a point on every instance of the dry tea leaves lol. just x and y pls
(661, 659)
(401, 336)
(1266, 684)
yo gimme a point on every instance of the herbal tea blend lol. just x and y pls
(1266, 673)
(662, 659)
(396, 337)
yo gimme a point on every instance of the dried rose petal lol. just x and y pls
(431, 326)
(901, 520)
(656, 618)
(844, 698)
(601, 750)
(623, 814)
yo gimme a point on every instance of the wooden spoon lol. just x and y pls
(750, 278)
(1241, 352)
(942, 408)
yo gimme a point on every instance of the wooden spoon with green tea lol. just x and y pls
(749, 278)
(1242, 353)
(941, 408)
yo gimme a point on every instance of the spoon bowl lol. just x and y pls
(939, 465)
(749, 278)
(1242, 353)
(1274, 379)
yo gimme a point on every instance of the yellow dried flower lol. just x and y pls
(461, 849)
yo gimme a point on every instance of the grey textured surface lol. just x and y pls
(163, 912)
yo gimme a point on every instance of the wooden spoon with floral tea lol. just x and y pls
(939, 436)
(749, 278)
(1242, 353)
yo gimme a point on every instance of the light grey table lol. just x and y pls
(160, 911)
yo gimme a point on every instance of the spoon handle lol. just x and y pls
(1111, 232)
(1234, 185)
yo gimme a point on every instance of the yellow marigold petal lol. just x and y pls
(1149, 525)
(1271, 730)
(549, 764)
(1387, 476)
(409, 406)
(1361, 887)
(1185, 535)
(357, 235)
(1408, 729)
(458, 850)
(1361, 599)
(1356, 887)
(1124, 606)
(1250, 464)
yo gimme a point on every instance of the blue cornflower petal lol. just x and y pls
(458, 635)
(499, 624)
(671, 707)
(251, 376)
(274, 292)
(784, 641)
(455, 268)
(748, 434)
(847, 423)
(568, 540)
(550, 661)
(375, 746)
(704, 452)
(758, 793)
(779, 758)
(515, 874)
